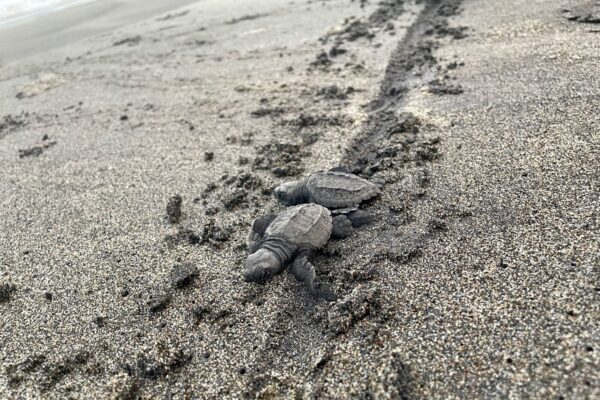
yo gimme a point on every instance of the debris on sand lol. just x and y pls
(271, 112)
(235, 199)
(210, 234)
(36, 150)
(215, 234)
(182, 236)
(17, 373)
(356, 30)
(183, 275)
(588, 13)
(173, 16)
(337, 51)
(387, 11)
(245, 180)
(174, 209)
(159, 302)
(283, 159)
(334, 92)
(10, 123)
(309, 120)
(443, 88)
(167, 359)
(442, 28)
(51, 372)
(209, 156)
(54, 372)
(200, 312)
(131, 41)
(31, 152)
(6, 290)
(245, 18)
(100, 321)
(322, 61)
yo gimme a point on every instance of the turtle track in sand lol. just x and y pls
(400, 148)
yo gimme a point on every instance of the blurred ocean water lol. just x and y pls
(15, 10)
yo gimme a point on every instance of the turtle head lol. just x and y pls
(261, 266)
(286, 192)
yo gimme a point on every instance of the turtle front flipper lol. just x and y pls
(303, 270)
(257, 233)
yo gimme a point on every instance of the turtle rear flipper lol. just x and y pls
(342, 227)
(355, 217)
(360, 218)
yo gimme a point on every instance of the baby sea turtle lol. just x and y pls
(290, 239)
(331, 189)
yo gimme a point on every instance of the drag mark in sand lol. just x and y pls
(36, 151)
(392, 144)
(398, 146)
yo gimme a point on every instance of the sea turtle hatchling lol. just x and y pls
(331, 189)
(289, 239)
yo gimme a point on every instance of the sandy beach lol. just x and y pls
(479, 278)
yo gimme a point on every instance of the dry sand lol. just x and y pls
(480, 278)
